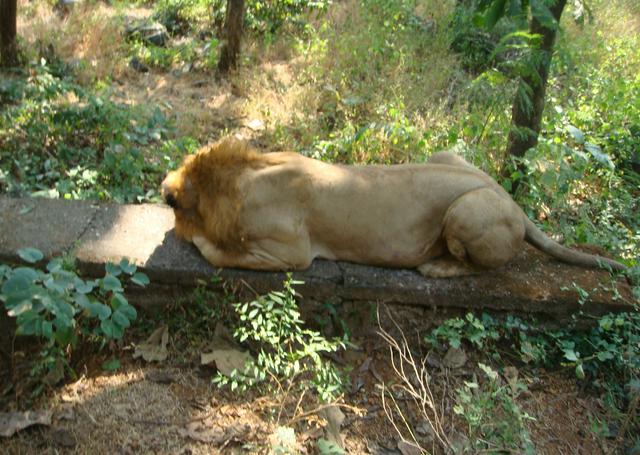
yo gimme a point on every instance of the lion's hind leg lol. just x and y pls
(482, 230)
(446, 267)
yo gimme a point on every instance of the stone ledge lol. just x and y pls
(98, 233)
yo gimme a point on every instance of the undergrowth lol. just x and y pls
(64, 310)
(605, 357)
(494, 420)
(60, 139)
(289, 356)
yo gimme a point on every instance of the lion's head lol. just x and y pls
(203, 191)
(180, 193)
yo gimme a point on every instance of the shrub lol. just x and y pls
(289, 355)
(61, 308)
(64, 141)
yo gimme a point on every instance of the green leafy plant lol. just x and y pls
(289, 355)
(611, 347)
(494, 420)
(63, 140)
(270, 16)
(180, 16)
(172, 56)
(63, 309)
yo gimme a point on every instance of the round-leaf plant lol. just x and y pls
(61, 307)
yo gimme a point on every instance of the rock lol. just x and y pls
(64, 7)
(98, 233)
(12, 422)
(455, 358)
(255, 125)
(137, 65)
(335, 417)
(148, 31)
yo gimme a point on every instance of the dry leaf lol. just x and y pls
(226, 360)
(12, 422)
(511, 375)
(155, 348)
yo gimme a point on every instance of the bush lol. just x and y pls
(608, 353)
(289, 355)
(495, 421)
(62, 308)
(64, 141)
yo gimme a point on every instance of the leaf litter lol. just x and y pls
(154, 349)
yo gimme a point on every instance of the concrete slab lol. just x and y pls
(532, 283)
(50, 225)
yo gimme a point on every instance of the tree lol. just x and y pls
(233, 23)
(528, 105)
(529, 101)
(8, 31)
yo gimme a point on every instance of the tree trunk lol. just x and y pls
(8, 45)
(232, 36)
(527, 117)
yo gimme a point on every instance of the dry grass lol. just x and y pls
(286, 85)
(90, 34)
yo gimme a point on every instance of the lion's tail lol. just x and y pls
(540, 240)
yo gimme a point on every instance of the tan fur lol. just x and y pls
(279, 211)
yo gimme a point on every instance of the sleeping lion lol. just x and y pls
(280, 211)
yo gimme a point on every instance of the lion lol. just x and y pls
(279, 211)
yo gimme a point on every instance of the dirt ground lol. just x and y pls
(173, 408)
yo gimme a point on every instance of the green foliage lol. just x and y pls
(326, 447)
(183, 16)
(589, 138)
(64, 141)
(478, 332)
(180, 16)
(608, 353)
(62, 308)
(558, 181)
(187, 55)
(269, 16)
(494, 420)
(373, 83)
(605, 356)
(289, 355)
(192, 320)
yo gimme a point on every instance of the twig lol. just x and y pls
(323, 407)
(89, 415)
(295, 410)
(248, 286)
(406, 367)
(284, 399)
